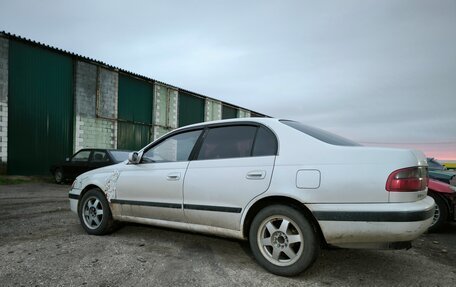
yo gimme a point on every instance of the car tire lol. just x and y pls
(58, 176)
(283, 240)
(95, 214)
(441, 213)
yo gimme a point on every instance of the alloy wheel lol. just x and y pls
(280, 240)
(92, 212)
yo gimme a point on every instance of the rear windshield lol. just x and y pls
(319, 134)
(119, 155)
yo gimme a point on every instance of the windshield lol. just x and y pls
(119, 155)
(319, 134)
(434, 165)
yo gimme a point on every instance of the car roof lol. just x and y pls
(236, 120)
(105, 149)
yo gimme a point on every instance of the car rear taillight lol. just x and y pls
(408, 179)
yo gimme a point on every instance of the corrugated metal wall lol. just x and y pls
(40, 119)
(228, 112)
(135, 105)
(191, 109)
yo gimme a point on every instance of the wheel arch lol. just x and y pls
(86, 189)
(288, 201)
(442, 197)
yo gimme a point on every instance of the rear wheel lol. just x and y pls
(95, 214)
(283, 240)
(441, 213)
(58, 176)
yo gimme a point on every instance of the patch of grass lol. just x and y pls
(8, 179)
(4, 180)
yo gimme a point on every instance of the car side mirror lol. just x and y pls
(134, 158)
(67, 159)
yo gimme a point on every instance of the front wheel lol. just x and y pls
(283, 240)
(95, 214)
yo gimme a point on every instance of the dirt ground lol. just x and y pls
(43, 244)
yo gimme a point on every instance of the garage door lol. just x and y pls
(40, 123)
(135, 113)
(191, 109)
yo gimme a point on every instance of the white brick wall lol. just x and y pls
(95, 119)
(4, 46)
(243, 113)
(164, 110)
(95, 133)
(3, 132)
(213, 110)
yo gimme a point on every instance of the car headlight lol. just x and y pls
(76, 184)
(453, 188)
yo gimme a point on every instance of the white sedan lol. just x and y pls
(286, 187)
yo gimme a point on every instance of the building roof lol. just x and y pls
(105, 65)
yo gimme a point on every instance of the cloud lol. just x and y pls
(375, 71)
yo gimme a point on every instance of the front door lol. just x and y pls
(77, 165)
(153, 188)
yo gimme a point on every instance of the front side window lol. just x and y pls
(172, 149)
(81, 156)
(228, 142)
(119, 155)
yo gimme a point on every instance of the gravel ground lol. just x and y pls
(43, 244)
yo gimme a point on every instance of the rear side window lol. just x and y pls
(228, 142)
(100, 156)
(319, 134)
(238, 141)
(265, 143)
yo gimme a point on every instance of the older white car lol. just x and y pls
(286, 187)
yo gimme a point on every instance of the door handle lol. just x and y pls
(173, 176)
(256, 174)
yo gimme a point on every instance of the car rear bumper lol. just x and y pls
(373, 225)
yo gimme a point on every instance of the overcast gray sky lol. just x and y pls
(378, 72)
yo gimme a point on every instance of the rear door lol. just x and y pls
(234, 165)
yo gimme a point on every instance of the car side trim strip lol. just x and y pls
(375, 216)
(73, 196)
(213, 208)
(178, 205)
(148, 203)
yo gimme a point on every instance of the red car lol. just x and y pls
(445, 200)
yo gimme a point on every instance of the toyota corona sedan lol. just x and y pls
(286, 187)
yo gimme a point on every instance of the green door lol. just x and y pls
(135, 113)
(191, 109)
(228, 112)
(40, 113)
(132, 136)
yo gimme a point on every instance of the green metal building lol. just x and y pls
(53, 103)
